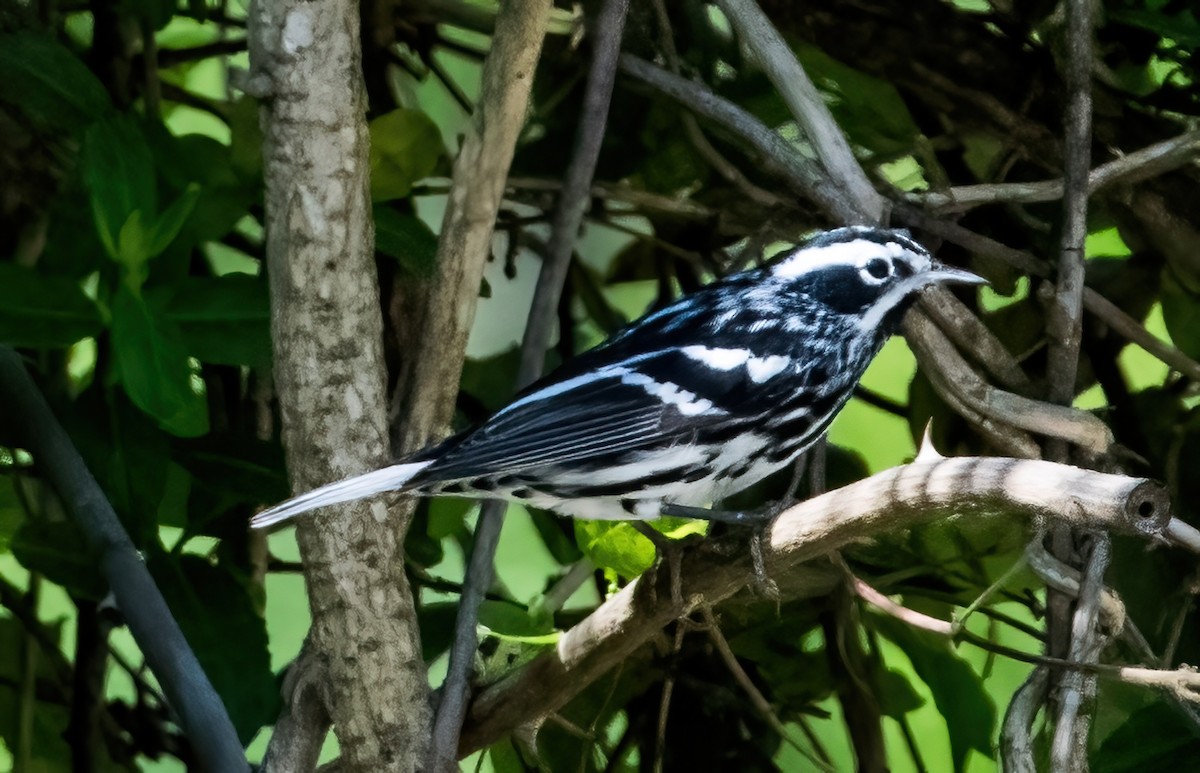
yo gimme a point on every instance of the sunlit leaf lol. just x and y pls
(405, 148)
(958, 692)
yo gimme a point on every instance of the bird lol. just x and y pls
(688, 405)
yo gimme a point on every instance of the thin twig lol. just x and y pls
(757, 699)
(609, 26)
(775, 154)
(1142, 164)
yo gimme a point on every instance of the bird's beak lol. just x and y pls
(940, 273)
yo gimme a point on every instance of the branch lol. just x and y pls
(201, 713)
(775, 154)
(438, 322)
(1143, 164)
(980, 402)
(1095, 303)
(807, 106)
(895, 499)
(327, 335)
(1072, 631)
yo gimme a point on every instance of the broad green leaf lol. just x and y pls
(447, 516)
(869, 109)
(217, 614)
(49, 83)
(618, 546)
(224, 320)
(44, 311)
(119, 172)
(513, 621)
(405, 148)
(957, 690)
(405, 237)
(126, 452)
(896, 696)
(153, 365)
(1181, 312)
(58, 551)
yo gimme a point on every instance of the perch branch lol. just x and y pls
(894, 499)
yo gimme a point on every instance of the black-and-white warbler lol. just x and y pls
(689, 404)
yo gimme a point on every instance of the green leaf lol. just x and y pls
(224, 320)
(1151, 738)
(166, 226)
(44, 311)
(618, 546)
(406, 238)
(58, 551)
(118, 169)
(154, 370)
(957, 690)
(869, 109)
(126, 452)
(1181, 313)
(405, 148)
(217, 614)
(49, 83)
(896, 695)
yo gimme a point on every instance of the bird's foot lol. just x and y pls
(758, 520)
(670, 551)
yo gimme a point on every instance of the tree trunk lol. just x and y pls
(330, 376)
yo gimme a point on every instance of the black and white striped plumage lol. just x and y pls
(689, 404)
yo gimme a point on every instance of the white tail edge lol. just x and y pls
(376, 482)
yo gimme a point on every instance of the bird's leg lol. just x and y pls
(757, 519)
(669, 551)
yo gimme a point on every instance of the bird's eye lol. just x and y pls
(879, 268)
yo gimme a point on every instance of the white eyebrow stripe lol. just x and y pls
(807, 259)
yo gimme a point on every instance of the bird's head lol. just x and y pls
(871, 274)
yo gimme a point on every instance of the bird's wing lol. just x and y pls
(633, 403)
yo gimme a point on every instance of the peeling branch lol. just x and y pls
(895, 499)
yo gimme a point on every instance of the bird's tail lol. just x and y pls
(376, 482)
